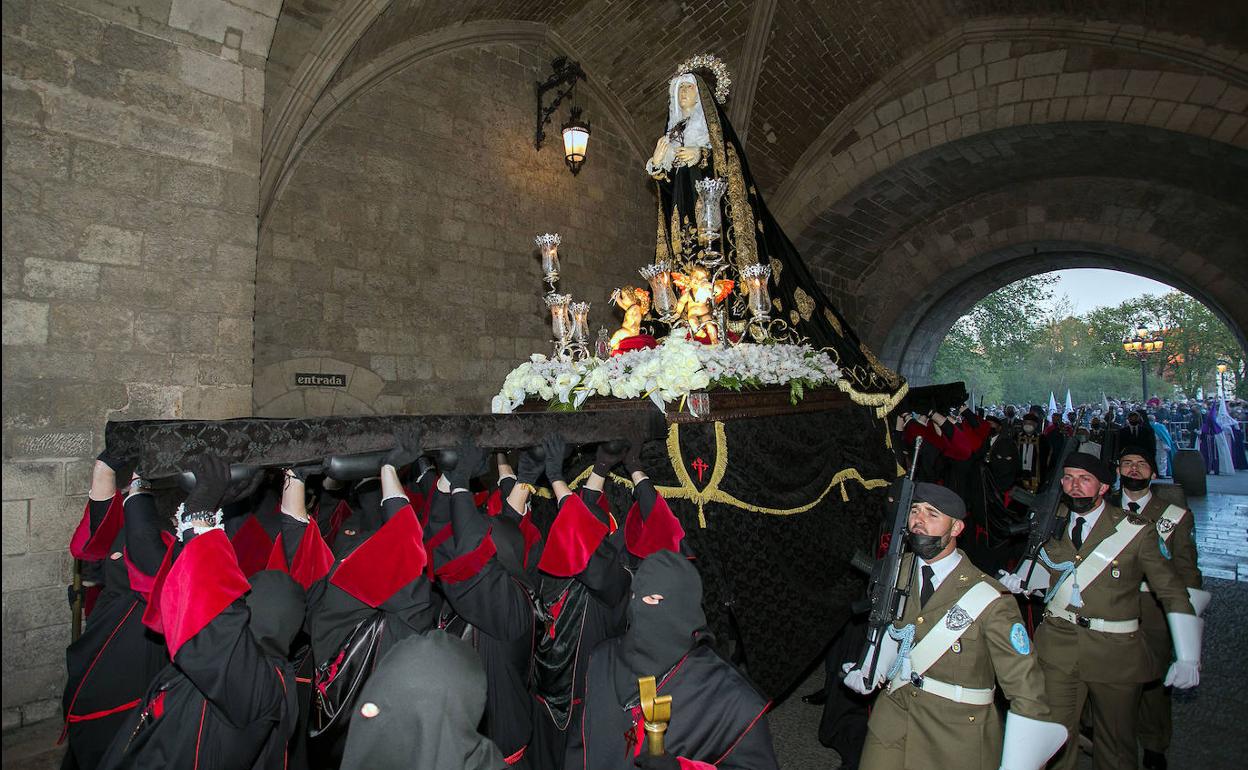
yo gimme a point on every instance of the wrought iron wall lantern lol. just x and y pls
(575, 131)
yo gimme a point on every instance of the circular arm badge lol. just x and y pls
(1019, 639)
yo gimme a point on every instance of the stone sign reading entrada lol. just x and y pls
(306, 379)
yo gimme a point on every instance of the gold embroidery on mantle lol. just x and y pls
(889, 375)
(777, 267)
(834, 321)
(740, 212)
(661, 252)
(794, 317)
(711, 493)
(804, 303)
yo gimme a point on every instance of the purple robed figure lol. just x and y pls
(1215, 444)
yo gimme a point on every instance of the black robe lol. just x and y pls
(499, 604)
(717, 717)
(584, 597)
(382, 577)
(223, 702)
(111, 665)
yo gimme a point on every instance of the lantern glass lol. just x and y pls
(549, 245)
(580, 320)
(575, 140)
(560, 320)
(662, 298)
(1221, 368)
(708, 211)
(756, 277)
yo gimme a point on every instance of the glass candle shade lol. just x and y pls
(560, 319)
(756, 277)
(709, 213)
(580, 320)
(662, 298)
(549, 244)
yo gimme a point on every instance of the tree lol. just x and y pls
(1017, 344)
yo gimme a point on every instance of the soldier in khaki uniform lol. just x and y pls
(960, 633)
(1166, 510)
(1090, 646)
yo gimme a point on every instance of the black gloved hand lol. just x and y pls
(470, 462)
(554, 446)
(305, 472)
(664, 761)
(609, 455)
(406, 448)
(212, 479)
(120, 464)
(530, 467)
(632, 455)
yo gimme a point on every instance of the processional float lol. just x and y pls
(762, 414)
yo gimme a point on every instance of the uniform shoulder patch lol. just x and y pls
(1019, 639)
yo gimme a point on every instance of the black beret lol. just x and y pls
(1141, 452)
(941, 498)
(1086, 462)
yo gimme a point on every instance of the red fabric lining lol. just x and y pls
(420, 504)
(531, 536)
(203, 581)
(252, 546)
(603, 504)
(519, 755)
(93, 547)
(431, 545)
(341, 512)
(693, 764)
(87, 674)
(199, 735)
(494, 504)
(469, 564)
(389, 559)
(151, 615)
(659, 531)
(105, 713)
(636, 342)
(313, 559)
(744, 732)
(573, 538)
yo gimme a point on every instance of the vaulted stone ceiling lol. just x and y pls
(838, 99)
(808, 59)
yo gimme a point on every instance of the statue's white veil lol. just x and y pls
(696, 132)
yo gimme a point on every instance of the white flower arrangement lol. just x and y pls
(667, 373)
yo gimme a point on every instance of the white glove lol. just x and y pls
(1012, 582)
(1029, 743)
(1186, 631)
(856, 673)
(1200, 600)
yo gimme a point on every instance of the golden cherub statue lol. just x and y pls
(698, 296)
(635, 303)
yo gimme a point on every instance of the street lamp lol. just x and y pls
(1143, 342)
(1222, 367)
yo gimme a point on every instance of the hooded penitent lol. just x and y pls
(276, 603)
(420, 709)
(664, 613)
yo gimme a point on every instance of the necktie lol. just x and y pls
(1134, 507)
(928, 588)
(1077, 536)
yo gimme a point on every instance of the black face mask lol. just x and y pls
(1134, 484)
(926, 546)
(1079, 505)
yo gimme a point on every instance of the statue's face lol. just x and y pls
(687, 96)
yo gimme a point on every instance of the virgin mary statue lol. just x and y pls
(700, 143)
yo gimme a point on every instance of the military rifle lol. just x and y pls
(1043, 521)
(884, 593)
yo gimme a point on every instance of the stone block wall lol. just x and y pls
(400, 254)
(131, 154)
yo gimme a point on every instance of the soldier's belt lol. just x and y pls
(971, 696)
(1097, 624)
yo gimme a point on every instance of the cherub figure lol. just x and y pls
(696, 304)
(635, 303)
